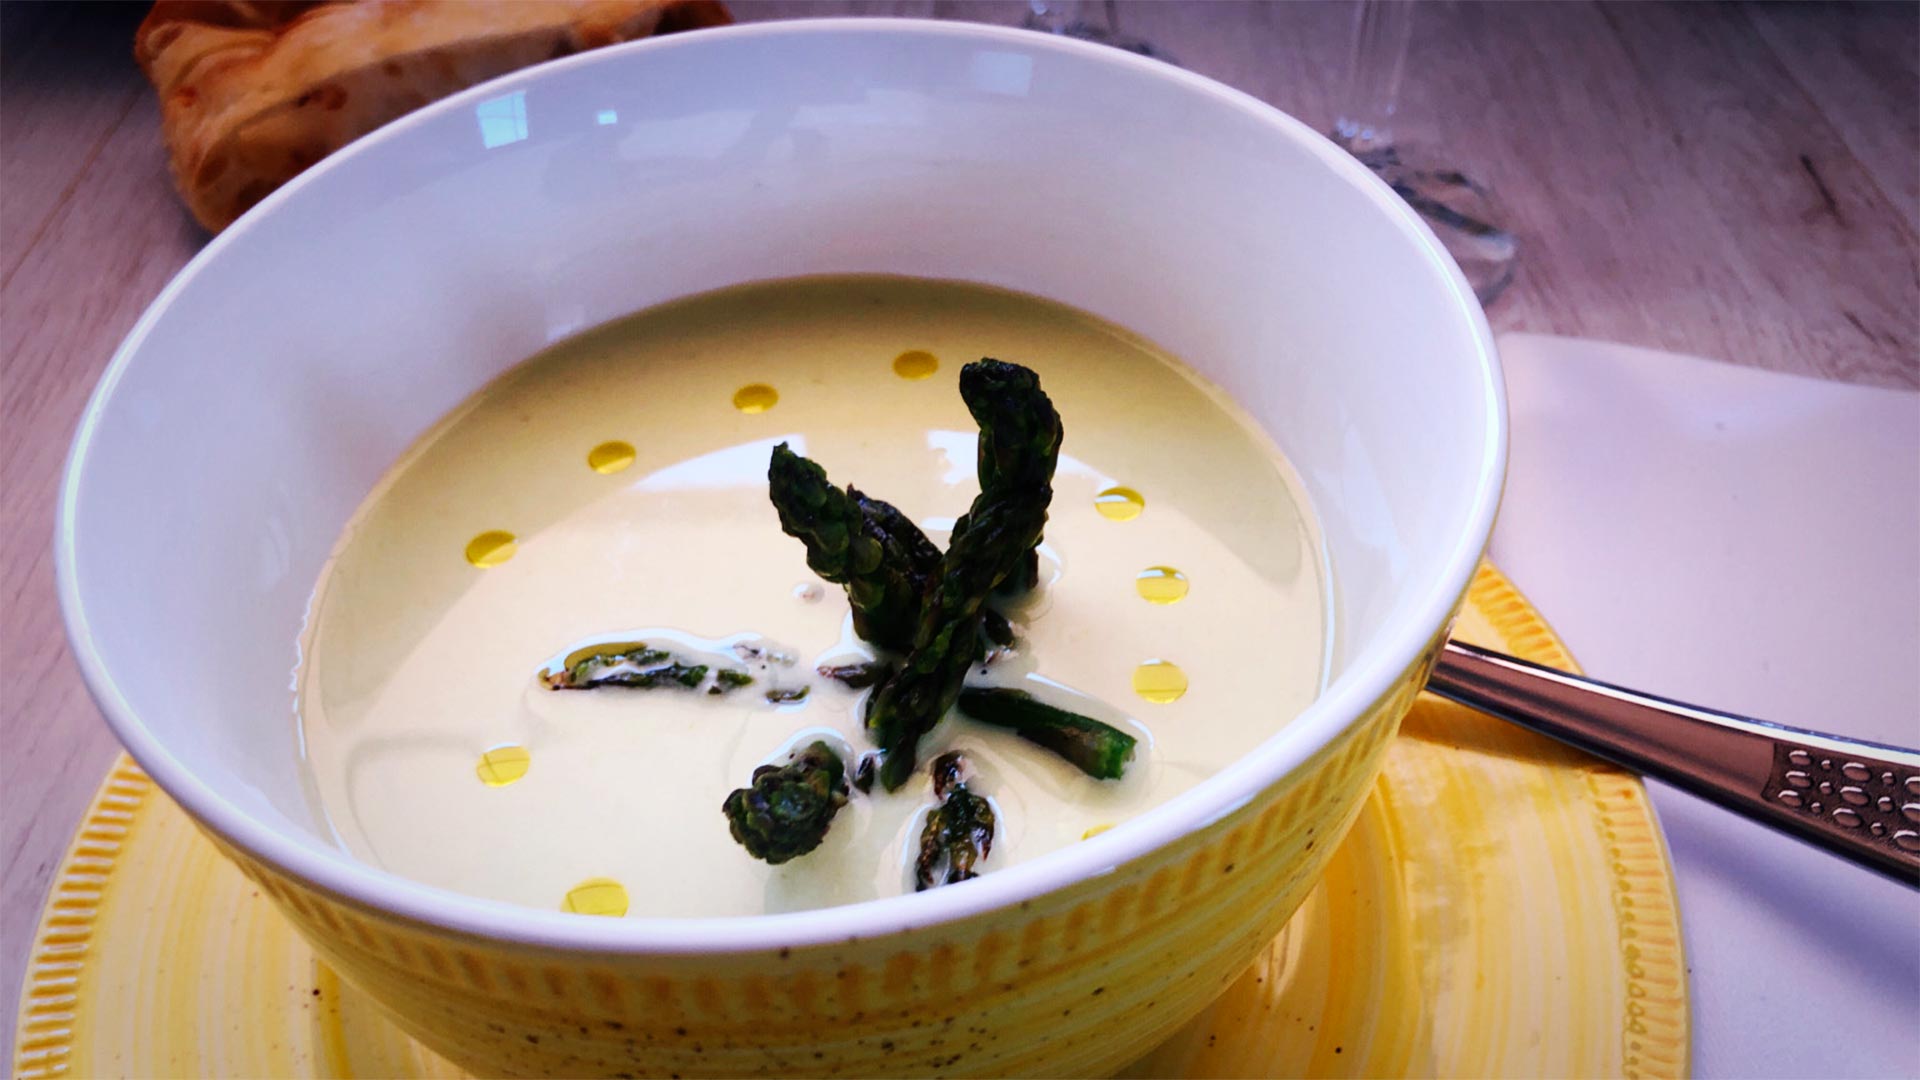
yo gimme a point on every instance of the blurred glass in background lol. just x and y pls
(1461, 211)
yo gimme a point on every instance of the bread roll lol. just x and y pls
(254, 91)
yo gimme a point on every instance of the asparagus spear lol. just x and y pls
(986, 545)
(882, 558)
(1020, 445)
(1099, 750)
(959, 832)
(859, 676)
(1027, 580)
(864, 544)
(635, 664)
(786, 810)
(911, 702)
(1019, 429)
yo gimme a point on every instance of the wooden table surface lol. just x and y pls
(1732, 181)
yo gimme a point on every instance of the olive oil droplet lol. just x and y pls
(1119, 504)
(1161, 585)
(915, 364)
(610, 457)
(755, 398)
(491, 548)
(597, 896)
(502, 765)
(1159, 681)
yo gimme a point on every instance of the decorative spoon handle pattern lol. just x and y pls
(1858, 800)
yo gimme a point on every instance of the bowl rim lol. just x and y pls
(1394, 652)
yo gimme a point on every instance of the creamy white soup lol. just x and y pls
(614, 489)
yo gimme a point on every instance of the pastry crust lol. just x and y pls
(252, 92)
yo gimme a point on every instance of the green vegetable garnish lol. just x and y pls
(861, 675)
(1099, 750)
(868, 546)
(631, 664)
(786, 810)
(959, 832)
(1019, 446)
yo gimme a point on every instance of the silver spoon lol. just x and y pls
(1858, 800)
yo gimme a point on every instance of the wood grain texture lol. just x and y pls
(1737, 182)
(106, 238)
(58, 108)
(1860, 73)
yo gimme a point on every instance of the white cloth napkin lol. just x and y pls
(1748, 541)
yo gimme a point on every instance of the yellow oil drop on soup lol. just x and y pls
(755, 398)
(1160, 681)
(491, 548)
(503, 765)
(1119, 503)
(678, 580)
(610, 457)
(597, 896)
(1161, 585)
(916, 364)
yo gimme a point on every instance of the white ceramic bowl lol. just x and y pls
(262, 394)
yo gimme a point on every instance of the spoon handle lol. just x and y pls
(1858, 800)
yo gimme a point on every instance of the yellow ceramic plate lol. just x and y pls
(1503, 907)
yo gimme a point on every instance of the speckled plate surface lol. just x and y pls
(1503, 907)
